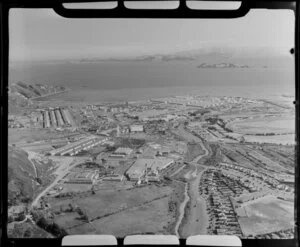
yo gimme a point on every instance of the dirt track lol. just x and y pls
(196, 221)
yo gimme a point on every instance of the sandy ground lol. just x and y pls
(264, 125)
(267, 214)
(288, 139)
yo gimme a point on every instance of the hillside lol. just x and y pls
(29, 91)
(21, 177)
(20, 94)
(26, 230)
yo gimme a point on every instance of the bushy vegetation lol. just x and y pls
(43, 221)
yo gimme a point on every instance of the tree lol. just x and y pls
(242, 140)
(27, 233)
(71, 208)
(93, 190)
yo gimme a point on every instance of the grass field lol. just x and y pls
(105, 204)
(193, 150)
(150, 218)
(267, 214)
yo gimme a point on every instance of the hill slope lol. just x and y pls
(20, 94)
(21, 177)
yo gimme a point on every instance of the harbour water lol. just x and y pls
(131, 81)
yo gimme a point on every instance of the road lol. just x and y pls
(198, 221)
(61, 173)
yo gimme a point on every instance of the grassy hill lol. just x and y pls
(20, 94)
(21, 177)
(29, 91)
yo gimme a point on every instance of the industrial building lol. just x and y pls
(148, 167)
(136, 128)
(82, 178)
(66, 116)
(76, 147)
(113, 177)
(121, 153)
(53, 119)
(57, 117)
(46, 119)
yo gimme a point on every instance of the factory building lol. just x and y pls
(53, 119)
(121, 153)
(113, 177)
(59, 118)
(82, 178)
(56, 118)
(149, 168)
(76, 147)
(136, 128)
(46, 119)
(66, 116)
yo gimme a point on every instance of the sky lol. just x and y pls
(43, 35)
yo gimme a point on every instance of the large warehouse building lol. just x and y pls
(76, 147)
(138, 169)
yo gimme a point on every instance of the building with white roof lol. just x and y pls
(139, 168)
(136, 128)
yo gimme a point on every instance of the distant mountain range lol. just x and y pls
(225, 54)
(222, 66)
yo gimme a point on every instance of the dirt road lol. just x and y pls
(197, 218)
(61, 171)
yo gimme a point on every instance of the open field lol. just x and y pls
(19, 135)
(267, 214)
(193, 150)
(109, 202)
(151, 218)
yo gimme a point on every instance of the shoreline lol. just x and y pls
(49, 95)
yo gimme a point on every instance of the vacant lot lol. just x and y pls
(19, 135)
(267, 214)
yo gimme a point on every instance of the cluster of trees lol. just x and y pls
(172, 206)
(66, 194)
(220, 122)
(265, 134)
(82, 215)
(47, 224)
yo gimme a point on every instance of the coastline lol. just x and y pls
(49, 95)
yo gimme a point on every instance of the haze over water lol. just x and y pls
(130, 81)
